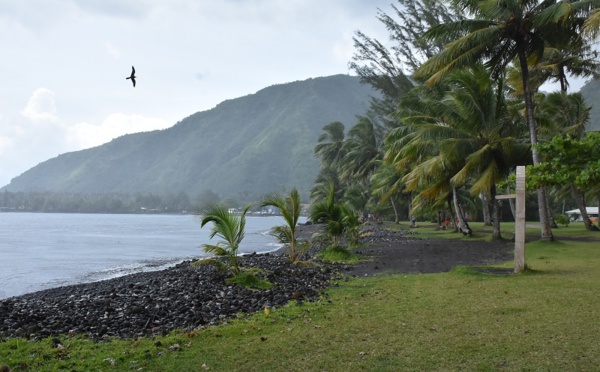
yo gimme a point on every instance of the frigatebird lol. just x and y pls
(132, 76)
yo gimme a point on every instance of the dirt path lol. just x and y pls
(429, 256)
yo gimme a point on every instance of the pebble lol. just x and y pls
(151, 303)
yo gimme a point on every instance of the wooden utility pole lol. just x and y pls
(519, 219)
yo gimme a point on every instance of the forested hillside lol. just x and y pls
(242, 148)
(591, 93)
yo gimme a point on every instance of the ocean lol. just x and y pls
(46, 250)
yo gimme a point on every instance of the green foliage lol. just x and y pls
(338, 254)
(338, 218)
(563, 219)
(498, 322)
(218, 264)
(227, 226)
(246, 279)
(289, 207)
(567, 160)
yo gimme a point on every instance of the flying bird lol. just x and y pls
(132, 76)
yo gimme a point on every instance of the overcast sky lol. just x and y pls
(64, 63)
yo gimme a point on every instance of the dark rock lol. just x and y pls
(153, 303)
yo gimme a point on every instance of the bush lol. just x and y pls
(563, 219)
(338, 254)
(249, 280)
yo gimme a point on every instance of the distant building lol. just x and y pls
(575, 214)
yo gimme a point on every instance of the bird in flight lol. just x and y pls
(132, 76)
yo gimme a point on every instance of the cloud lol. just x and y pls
(41, 106)
(39, 133)
(86, 135)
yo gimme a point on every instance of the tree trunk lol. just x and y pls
(452, 216)
(485, 202)
(462, 223)
(541, 193)
(511, 203)
(496, 235)
(550, 217)
(396, 219)
(580, 200)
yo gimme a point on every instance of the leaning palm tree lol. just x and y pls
(227, 226)
(362, 150)
(387, 185)
(473, 143)
(289, 206)
(499, 33)
(329, 145)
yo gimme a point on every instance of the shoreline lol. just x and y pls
(189, 297)
(152, 303)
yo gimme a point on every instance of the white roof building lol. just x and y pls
(575, 214)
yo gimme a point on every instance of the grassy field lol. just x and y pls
(544, 319)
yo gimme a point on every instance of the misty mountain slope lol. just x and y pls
(244, 147)
(591, 94)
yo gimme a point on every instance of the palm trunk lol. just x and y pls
(487, 219)
(511, 202)
(541, 192)
(463, 225)
(496, 214)
(396, 218)
(452, 216)
(580, 200)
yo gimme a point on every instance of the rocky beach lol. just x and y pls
(189, 296)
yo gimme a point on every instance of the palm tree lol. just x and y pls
(568, 115)
(329, 146)
(336, 217)
(289, 207)
(387, 184)
(591, 26)
(361, 150)
(227, 226)
(501, 32)
(474, 143)
(325, 178)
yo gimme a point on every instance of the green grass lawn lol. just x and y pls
(544, 319)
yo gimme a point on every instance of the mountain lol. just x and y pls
(591, 93)
(242, 148)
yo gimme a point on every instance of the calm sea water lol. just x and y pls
(46, 250)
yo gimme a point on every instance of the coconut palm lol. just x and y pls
(289, 206)
(387, 185)
(329, 148)
(361, 150)
(337, 218)
(499, 33)
(471, 138)
(227, 226)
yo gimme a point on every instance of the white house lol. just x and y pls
(575, 214)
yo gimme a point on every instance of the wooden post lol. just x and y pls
(520, 221)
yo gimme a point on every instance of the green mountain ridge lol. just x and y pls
(242, 148)
(591, 94)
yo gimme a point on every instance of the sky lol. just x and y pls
(64, 63)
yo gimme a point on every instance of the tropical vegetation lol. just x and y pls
(289, 207)
(461, 320)
(461, 106)
(228, 226)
